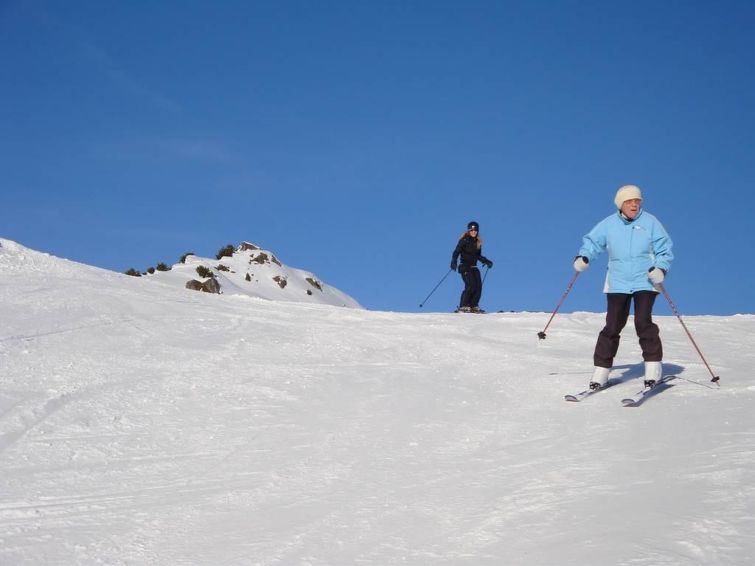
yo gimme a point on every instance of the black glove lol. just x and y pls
(488, 263)
(453, 265)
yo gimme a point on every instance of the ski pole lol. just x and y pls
(434, 288)
(541, 334)
(660, 286)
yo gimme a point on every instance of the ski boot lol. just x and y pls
(599, 378)
(653, 372)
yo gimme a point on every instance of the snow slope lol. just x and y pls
(146, 424)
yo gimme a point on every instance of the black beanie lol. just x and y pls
(474, 225)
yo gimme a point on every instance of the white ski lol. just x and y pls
(587, 392)
(638, 398)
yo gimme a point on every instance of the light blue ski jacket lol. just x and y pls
(633, 248)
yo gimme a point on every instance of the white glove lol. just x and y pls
(581, 263)
(656, 276)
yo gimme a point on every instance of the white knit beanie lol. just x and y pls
(627, 192)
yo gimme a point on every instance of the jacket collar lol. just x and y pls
(626, 220)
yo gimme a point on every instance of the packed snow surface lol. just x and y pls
(142, 423)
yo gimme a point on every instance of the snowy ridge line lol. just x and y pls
(250, 270)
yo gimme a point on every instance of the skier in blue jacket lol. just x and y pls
(639, 256)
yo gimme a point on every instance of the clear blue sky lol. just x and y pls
(357, 139)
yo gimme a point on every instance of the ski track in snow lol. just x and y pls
(141, 424)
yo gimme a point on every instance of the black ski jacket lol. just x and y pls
(470, 254)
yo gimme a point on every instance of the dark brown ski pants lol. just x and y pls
(616, 318)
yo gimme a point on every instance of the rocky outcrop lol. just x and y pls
(248, 269)
(263, 258)
(209, 286)
(314, 282)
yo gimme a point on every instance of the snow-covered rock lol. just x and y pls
(255, 272)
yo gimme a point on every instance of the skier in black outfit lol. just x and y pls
(470, 250)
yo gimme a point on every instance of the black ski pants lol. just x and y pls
(470, 296)
(617, 315)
